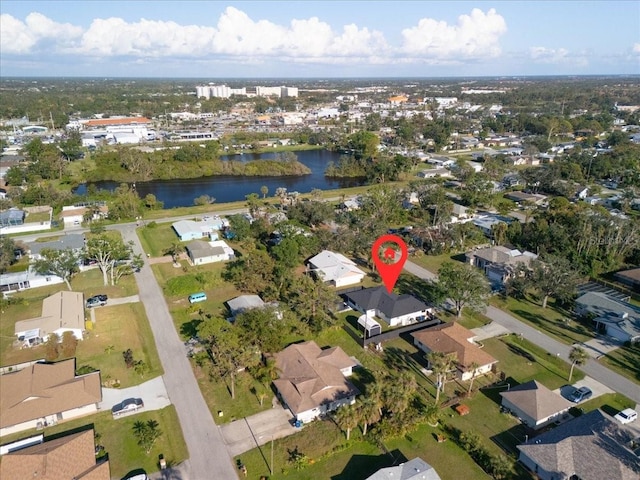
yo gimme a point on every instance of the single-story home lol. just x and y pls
(71, 456)
(630, 277)
(452, 338)
(617, 319)
(74, 215)
(15, 281)
(201, 253)
(335, 269)
(190, 230)
(589, 447)
(46, 393)
(435, 172)
(518, 197)
(485, 222)
(394, 309)
(498, 263)
(61, 312)
(71, 241)
(312, 381)
(243, 303)
(415, 469)
(535, 405)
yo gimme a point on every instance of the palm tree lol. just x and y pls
(398, 391)
(473, 367)
(578, 356)
(174, 250)
(369, 412)
(347, 418)
(441, 364)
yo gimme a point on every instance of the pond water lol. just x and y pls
(226, 188)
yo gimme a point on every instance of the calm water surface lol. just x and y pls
(182, 192)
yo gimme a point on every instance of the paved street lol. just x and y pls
(598, 372)
(208, 456)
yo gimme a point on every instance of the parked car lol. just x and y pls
(95, 302)
(627, 415)
(127, 405)
(582, 393)
(102, 297)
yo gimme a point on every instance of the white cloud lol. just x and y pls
(474, 36)
(636, 48)
(237, 37)
(557, 56)
(36, 32)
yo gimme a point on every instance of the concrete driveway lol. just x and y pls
(600, 346)
(153, 393)
(250, 432)
(596, 387)
(490, 330)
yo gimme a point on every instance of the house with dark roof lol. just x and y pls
(535, 405)
(415, 469)
(617, 319)
(45, 394)
(68, 457)
(392, 308)
(312, 381)
(589, 447)
(453, 339)
(630, 277)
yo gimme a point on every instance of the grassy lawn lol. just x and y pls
(434, 262)
(551, 320)
(468, 320)
(120, 443)
(331, 456)
(523, 361)
(121, 327)
(89, 282)
(155, 240)
(625, 361)
(37, 217)
(610, 403)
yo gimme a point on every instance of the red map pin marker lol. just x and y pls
(386, 258)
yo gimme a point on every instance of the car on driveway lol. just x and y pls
(96, 302)
(127, 405)
(582, 393)
(102, 297)
(627, 415)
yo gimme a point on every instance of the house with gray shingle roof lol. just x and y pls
(535, 405)
(72, 241)
(589, 447)
(617, 319)
(394, 309)
(415, 469)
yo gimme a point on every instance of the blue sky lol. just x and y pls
(216, 39)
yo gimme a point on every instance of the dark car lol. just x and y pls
(582, 393)
(102, 297)
(127, 405)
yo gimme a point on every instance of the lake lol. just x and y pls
(227, 188)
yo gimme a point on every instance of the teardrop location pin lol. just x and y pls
(389, 260)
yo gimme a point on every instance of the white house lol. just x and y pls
(46, 393)
(201, 253)
(335, 269)
(190, 230)
(61, 312)
(16, 281)
(312, 381)
(617, 319)
(415, 469)
(394, 309)
(74, 215)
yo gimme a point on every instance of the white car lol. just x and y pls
(627, 415)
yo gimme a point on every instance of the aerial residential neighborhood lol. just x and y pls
(194, 269)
